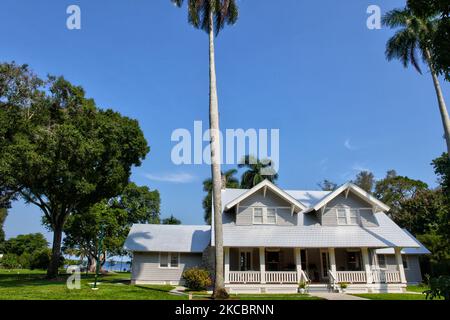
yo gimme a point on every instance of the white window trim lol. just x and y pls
(264, 216)
(169, 259)
(347, 216)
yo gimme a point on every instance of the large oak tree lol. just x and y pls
(68, 154)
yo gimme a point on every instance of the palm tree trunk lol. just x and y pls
(219, 290)
(440, 97)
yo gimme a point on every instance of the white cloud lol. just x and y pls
(171, 177)
(348, 145)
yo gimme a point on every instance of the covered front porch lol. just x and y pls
(290, 266)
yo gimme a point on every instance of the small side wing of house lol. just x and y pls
(168, 238)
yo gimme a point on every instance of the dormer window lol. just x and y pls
(347, 216)
(262, 215)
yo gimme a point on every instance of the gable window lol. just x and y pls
(347, 216)
(258, 216)
(262, 215)
(271, 216)
(169, 259)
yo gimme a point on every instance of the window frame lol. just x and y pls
(169, 260)
(348, 216)
(264, 211)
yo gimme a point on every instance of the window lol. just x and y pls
(169, 259)
(381, 260)
(341, 216)
(347, 216)
(164, 260)
(405, 261)
(353, 216)
(271, 216)
(258, 216)
(264, 215)
(245, 260)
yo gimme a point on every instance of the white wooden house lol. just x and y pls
(273, 239)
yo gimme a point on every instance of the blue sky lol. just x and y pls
(312, 70)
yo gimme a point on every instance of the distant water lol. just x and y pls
(117, 266)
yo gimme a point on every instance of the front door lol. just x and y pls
(324, 263)
(273, 260)
(245, 260)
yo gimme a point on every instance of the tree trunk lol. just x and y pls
(52, 270)
(219, 289)
(442, 107)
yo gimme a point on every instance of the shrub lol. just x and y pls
(439, 287)
(10, 261)
(40, 259)
(197, 279)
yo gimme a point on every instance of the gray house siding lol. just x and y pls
(412, 272)
(329, 217)
(145, 268)
(245, 214)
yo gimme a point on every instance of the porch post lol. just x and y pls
(298, 263)
(262, 264)
(226, 252)
(332, 257)
(366, 262)
(401, 269)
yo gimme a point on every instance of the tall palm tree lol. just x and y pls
(211, 16)
(415, 37)
(228, 181)
(257, 171)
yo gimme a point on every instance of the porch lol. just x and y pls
(290, 266)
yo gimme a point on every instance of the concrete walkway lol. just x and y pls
(335, 296)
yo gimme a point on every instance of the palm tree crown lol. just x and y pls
(413, 37)
(258, 171)
(224, 12)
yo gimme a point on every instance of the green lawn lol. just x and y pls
(392, 296)
(275, 297)
(31, 285)
(417, 288)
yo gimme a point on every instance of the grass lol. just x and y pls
(275, 297)
(392, 296)
(32, 285)
(417, 288)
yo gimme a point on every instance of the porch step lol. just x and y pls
(318, 287)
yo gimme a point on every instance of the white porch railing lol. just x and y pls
(281, 277)
(351, 276)
(245, 276)
(270, 276)
(384, 276)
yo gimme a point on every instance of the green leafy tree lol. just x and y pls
(18, 88)
(26, 243)
(211, 16)
(228, 181)
(415, 37)
(257, 171)
(394, 190)
(115, 218)
(69, 154)
(171, 220)
(441, 40)
(327, 185)
(365, 180)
